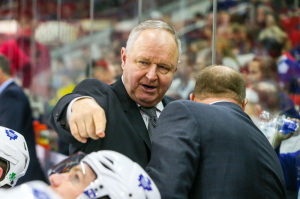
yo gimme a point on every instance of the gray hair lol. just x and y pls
(152, 24)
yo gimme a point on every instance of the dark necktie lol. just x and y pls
(151, 112)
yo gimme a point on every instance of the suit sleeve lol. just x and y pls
(175, 152)
(89, 87)
(13, 110)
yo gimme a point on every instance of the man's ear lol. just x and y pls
(244, 103)
(192, 97)
(1, 172)
(123, 57)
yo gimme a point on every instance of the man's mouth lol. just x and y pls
(148, 87)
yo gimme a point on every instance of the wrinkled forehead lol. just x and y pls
(155, 37)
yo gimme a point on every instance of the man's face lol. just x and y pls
(255, 74)
(149, 67)
(71, 184)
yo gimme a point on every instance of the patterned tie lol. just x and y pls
(151, 112)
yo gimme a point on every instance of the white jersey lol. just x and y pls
(30, 190)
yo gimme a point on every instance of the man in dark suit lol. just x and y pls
(209, 148)
(16, 115)
(149, 62)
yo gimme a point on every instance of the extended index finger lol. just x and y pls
(100, 123)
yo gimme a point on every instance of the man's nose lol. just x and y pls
(152, 72)
(57, 179)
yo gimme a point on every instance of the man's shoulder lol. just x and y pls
(93, 82)
(14, 89)
(188, 104)
(168, 99)
(198, 106)
(91, 86)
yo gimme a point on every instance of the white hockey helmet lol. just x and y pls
(30, 190)
(13, 149)
(118, 177)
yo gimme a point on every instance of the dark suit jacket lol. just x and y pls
(16, 114)
(212, 152)
(125, 129)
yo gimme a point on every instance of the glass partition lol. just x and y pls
(53, 45)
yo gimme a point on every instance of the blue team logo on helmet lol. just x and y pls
(145, 183)
(11, 134)
(90, 193)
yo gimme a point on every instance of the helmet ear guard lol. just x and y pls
(117, 177)
(13, 149)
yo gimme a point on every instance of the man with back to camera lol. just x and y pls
(102, 175)
(149, 62)
(209, 148)
(16, 114)
(14, 157)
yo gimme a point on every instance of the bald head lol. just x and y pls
(220, 83)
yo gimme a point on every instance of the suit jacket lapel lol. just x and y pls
(167, 100)
(132, 111)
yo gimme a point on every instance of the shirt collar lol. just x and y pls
(159, 107)
(5, 84)
(219, 101)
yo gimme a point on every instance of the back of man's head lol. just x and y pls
(220, 82)
(4, 65)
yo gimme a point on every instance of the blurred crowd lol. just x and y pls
(55, 46)
(261, 39)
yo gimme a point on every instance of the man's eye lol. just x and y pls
(163, 69)
(143, 64)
